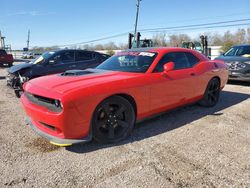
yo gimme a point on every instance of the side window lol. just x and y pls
(243, 50)
(179, 59)
(165, 59)
(193, 60)
(84, 56)
(65, 57)
(231, 52)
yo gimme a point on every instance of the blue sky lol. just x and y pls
(58, 22)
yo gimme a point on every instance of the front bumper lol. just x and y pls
(239, 76)
(60, 128)
(54, 140)
(10, 78)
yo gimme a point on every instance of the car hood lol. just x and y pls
(232, 58)
(61, 83)
(19, 67)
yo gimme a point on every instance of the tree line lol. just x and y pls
(226, 40)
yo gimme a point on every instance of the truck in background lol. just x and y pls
(6, 59)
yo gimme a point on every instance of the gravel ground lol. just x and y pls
(189, 147)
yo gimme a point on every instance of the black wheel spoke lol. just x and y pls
(119, 112)
(101, 123)
(111, 132)
(122, 123)
(106, 108)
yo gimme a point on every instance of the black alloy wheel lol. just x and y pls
(212, 93)
(113, 120)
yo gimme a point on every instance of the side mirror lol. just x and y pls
(167, 67)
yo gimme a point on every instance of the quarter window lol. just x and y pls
(192, 59)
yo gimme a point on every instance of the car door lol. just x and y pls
(173, 89)
(198, 81)
(61, 62)
(86, 59)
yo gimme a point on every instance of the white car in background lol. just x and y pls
(31, 55)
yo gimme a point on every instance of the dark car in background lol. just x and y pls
(51, 63)
(237, 59)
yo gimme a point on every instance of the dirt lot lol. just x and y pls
(190, 147)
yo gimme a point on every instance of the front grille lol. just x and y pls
(235, 65)
(12, 80)
(49, 103)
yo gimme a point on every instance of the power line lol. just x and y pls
(164, 29)
(207, 27)
(210, 17)
(96, 40)
(196, 25)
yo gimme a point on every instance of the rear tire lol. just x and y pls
(113, 120)
(10, 64)
(212, 93)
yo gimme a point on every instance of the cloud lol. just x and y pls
(29, 13)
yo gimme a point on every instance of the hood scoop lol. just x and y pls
(76, 72)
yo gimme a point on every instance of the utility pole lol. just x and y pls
(137, 15)
(28, 41)
(2, 45)
(2, 41)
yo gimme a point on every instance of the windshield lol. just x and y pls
(129, 62)
(238, 51)
(43, 57)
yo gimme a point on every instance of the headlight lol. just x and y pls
(247, 62)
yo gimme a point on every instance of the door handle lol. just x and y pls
(72, 66)
(192, 74)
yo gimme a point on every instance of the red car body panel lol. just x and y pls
(152, 93)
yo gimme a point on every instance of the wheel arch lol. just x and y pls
(217, 77)
(130, 99)
(126, 96)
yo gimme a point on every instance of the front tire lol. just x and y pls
(113, 120)
(212, 93)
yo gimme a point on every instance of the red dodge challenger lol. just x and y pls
(105, 102)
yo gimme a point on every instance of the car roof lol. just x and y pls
(241, 45)
(61, 50)
(158, 49)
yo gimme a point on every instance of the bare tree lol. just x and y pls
(159, 39)
(110, 46)
(216, 39)
(240, 36)
(248, 35)
(99, 47)
(123, 46)
(176, 40)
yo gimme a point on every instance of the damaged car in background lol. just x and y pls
(51, 63)
(237, 59)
